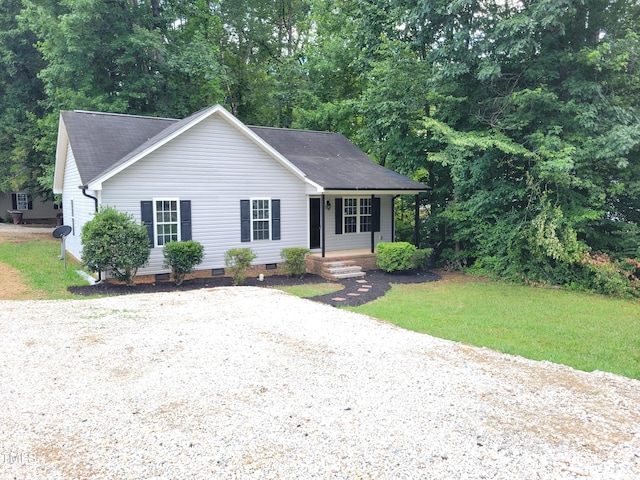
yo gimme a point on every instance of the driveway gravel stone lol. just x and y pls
(254, 383)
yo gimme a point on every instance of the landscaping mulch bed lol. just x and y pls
(376, 284)
(379, 283)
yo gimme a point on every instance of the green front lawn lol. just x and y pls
(587, 332)
(43, 272)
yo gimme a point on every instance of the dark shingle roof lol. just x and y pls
(332, 161)
(103, 141)
(100, 140)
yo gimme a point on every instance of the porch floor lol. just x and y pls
(343, 253)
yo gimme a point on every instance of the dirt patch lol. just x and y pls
(20, 234)
(451, 276)
(12, 284)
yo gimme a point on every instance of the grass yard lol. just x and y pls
(586, 332)
(36, 273)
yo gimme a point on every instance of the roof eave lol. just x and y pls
(378, 191)
(62, 143)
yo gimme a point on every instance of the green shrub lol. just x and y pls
(113, 242)
(238, 261)
(294, 258)
(396, 256)
(614, 278)
(421, 258)
(182, 257)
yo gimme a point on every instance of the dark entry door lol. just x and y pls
(314, 222)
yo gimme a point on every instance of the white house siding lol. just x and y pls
(83, 207)
(214, 166)
(352, 241)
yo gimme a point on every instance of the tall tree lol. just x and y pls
(261, 50)
(126, 56)
(539, 128)
(20, 94)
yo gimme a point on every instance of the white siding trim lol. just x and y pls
(62, 144)
(83, 207)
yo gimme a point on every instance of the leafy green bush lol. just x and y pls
(421, 258)
(182, 257)
(396, 256)
(113, 242)
(603, 275)
(238, 261)
(294, 258)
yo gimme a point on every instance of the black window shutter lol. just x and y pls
(14, 201)
(146, 212)
(185, 220)
(30, 205)
(275, 219)
(338, 203)
(375, 212)
(245, 221)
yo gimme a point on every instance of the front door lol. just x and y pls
(314, 222)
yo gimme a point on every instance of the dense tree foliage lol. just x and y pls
(522, 115)
(20, 93)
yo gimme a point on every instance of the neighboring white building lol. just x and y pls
(213, 179)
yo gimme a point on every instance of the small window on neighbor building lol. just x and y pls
(22, 201)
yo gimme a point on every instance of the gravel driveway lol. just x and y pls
(252, 383)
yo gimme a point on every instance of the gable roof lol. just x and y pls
(104, 144)
(100, 140)
(332, 161)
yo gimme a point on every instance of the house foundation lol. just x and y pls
(342, 264)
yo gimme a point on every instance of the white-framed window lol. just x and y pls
(365, 214)
(350, 206)
(357, 215)
(22, 201)
(260, 218)
(166, 212)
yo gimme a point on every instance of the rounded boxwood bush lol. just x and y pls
(294, 258)
(395, 256)
(238, 261)
(113, 242)
(182, 257)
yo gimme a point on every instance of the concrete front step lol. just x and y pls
(341, 263)
(340, 276)
(340, 270)
(352, 268)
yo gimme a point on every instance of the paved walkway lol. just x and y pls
(363, 287)
(374, 285)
